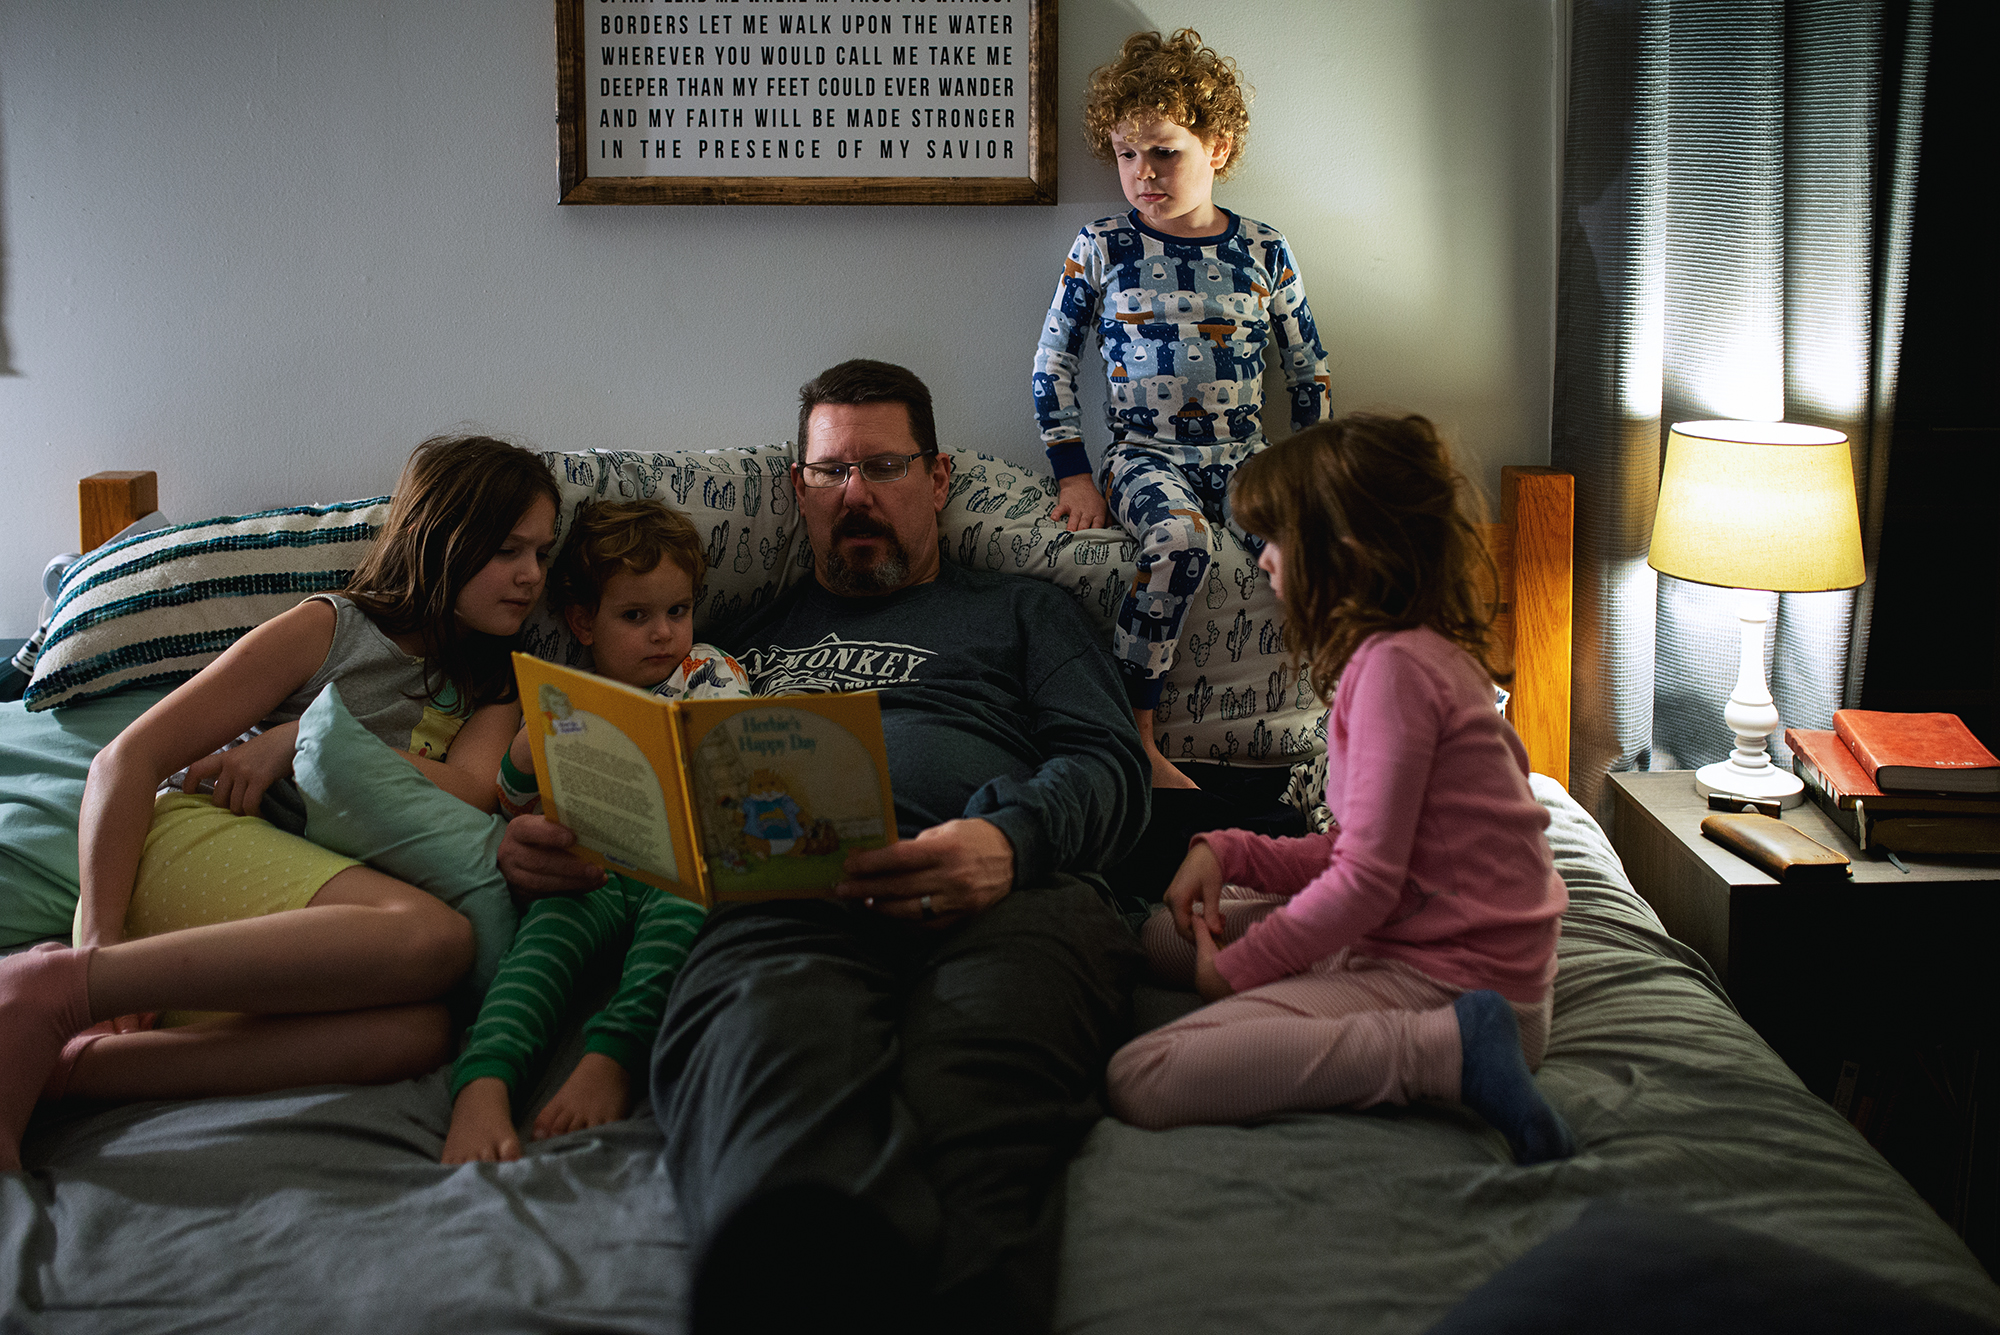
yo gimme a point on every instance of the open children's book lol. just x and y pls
(718, 801)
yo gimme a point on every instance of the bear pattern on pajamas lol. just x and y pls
(1183, 326)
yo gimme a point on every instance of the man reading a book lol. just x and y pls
(870, 1103)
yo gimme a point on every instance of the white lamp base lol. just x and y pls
(1769, 783)
(1752, 717)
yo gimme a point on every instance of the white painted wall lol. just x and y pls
(265, 247)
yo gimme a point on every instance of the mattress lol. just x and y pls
(326, 1208)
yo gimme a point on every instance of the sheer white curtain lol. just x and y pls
(1735, 226)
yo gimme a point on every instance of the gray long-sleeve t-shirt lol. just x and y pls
(998, 701)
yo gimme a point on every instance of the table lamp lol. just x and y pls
(1761, 507)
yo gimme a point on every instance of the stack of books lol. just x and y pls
(1902, 783)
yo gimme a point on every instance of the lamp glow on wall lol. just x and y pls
(1761, 507)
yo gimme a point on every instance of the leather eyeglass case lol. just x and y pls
(1779, 850)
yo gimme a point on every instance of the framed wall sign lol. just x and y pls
(806, 101)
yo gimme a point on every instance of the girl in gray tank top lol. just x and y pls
(335, 965)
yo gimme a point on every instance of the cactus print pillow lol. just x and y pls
(1232, 694)
(739, 499)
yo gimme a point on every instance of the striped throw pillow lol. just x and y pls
(156, 608)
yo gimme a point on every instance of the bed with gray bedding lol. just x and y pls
(326, 1209)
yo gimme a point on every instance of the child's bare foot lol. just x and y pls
(44, 1002)
(1166, 776)
(1164, 773)
(599, 1090)
(482, 1125)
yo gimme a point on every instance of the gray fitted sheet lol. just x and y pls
(325, 1209)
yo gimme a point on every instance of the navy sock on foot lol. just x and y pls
(1493, 1081)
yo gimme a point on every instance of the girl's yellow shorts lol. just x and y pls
(204, 864)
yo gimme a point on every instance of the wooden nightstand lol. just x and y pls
(1892, 972)
(1793, 957)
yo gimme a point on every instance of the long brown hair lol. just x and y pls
(1369, 514)
(457, 501)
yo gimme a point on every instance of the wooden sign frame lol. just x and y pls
(576, 184)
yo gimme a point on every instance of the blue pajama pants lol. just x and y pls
(1166, 496)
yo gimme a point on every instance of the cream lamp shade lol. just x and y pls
(1758, 505)
(1763, 507)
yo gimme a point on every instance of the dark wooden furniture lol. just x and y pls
(1758, 934)
(1885, 983)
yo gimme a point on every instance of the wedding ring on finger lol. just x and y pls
(924, 905)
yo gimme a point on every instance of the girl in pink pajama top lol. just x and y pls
(1410, 952)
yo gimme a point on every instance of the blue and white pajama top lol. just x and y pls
(1183, 325)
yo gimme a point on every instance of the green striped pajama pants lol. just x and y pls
(558, 936)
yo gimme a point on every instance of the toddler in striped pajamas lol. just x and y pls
(1410, 952)
(1185, 298)
(626, 586)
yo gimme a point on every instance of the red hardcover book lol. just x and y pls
(1824, 762)
(1923, 823)
(1917, 752)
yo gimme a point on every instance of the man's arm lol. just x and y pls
(1082, 808)
(941, 873)
(1086, 805)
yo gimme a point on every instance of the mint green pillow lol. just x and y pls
(365, 801)
(44, 760)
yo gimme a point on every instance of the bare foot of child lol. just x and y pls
(1164, 773)
(482, 1125)
(599, 1090)
(44, 1002)
(1166, 776)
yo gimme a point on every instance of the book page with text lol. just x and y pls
(608, 762)
(606, 789)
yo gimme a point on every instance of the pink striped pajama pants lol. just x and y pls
(1350, 1032)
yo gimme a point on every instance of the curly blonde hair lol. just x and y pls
(1168, 78)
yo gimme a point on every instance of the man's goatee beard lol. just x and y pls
(887, 575)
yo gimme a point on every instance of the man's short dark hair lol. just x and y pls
(863, 381)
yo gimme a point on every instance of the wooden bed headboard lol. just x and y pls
(108, 503)
(1531, 547)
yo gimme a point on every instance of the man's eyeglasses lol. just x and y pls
(879, 468)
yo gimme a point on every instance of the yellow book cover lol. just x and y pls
(717, 801)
